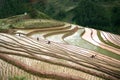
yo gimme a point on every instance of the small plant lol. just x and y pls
(18, 78)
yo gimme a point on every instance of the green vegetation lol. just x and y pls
(37, 14)
(17, 7)
(103, 16)
(98, 14)
(17, 78)
(12, 7)
(37, 23)
(58, 9)
(18, 22)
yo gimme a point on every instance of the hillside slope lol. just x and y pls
(42, 49)
(98, 14)
(103, 15)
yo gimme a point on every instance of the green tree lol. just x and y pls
(12, 7)
(116, 15)
(40, 5)
(88, 13)
(61, 15)
(50, 10)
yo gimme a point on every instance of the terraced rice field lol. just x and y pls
(67, 57)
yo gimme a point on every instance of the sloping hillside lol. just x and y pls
(98, 14)
(42, 49)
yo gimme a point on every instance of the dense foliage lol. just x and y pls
(12, 7)
(103, 16)
(16, 7)
(99, 14)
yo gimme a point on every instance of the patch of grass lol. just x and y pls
(25, 22)
(18, 78)
(4, 28)
(37, 23)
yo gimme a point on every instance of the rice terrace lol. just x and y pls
(59, 39)
(42, 49)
